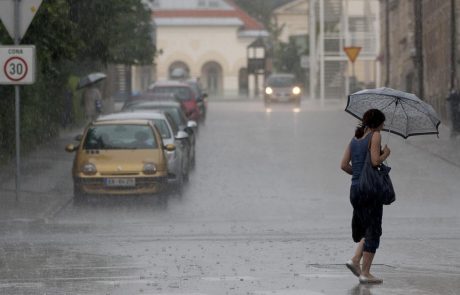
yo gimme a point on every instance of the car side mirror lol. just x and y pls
(181, 135)
(170, 147)
(79, 137)
(192, 124)
(70, 148)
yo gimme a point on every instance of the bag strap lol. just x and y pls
(370, 141)
(369, 149)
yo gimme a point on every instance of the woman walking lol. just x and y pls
(366, 222)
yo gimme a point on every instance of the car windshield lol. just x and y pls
(174, 112)
(281, 81)
(162, 126)
(181, 92)
(119, 136)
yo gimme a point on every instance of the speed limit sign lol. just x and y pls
(17, 65)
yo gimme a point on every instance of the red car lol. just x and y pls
(184, 92)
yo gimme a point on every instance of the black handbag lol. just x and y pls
(375, 182)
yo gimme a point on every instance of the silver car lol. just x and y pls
(176, 111)
(282, 88)
(178, 161)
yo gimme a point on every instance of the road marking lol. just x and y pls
(323, 275)
(226, 278)
(287, 292)
(22, 285)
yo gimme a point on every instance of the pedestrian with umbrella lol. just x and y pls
(92, 99)
(408, 115)
(367, 216)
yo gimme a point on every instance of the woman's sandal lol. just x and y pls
(367, 280)
(356, 271)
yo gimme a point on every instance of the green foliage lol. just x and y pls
(71, 38)
(116, 31)
(287, 58)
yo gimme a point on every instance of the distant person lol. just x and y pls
(366, 222)
(92, 102)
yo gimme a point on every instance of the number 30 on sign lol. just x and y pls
(17, 65)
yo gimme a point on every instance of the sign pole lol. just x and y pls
(17, 37)
(352, 52)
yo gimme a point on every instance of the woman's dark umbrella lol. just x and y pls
(406, 114)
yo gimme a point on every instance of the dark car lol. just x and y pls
(184, 92)
(176, 111)
(282, 88)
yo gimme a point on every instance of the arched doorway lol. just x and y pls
(178, 70)
(211, 74)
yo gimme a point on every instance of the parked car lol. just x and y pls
(185, 93)
(202, 97)
(178, 159)
(120, 157)
(176, 110)
(282, 88)
(149, 96)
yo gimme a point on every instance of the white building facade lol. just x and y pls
(208, 40)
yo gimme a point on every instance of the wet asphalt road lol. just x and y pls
(266, 211)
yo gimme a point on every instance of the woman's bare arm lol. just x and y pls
(376, 156)
(345, 164)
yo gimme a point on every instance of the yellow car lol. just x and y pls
(119, 157)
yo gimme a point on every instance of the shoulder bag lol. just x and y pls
(375, 182)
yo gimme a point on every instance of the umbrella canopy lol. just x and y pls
(406, 114)
(91, 79)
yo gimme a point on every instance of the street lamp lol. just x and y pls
(256, 55)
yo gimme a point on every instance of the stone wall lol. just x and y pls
(436, 46)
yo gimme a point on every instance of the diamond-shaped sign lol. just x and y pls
(27, 11)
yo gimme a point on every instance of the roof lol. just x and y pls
(168, 83)
(132, 116)
(227, 13)
(156, 103)
(123, 122)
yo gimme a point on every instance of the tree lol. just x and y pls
(68, 34)
(116, 31)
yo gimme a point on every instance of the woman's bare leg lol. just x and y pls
(358, 254)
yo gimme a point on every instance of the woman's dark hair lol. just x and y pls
(372, 118)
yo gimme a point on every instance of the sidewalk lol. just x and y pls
(45, 182)
(444, 147)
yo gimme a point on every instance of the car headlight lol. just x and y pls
(268, 90)
(89, 169)
(150, 168)
(296, 90)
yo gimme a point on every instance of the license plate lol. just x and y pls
(123, 182)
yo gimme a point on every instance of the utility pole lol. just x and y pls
(387, 43)
(418, 40)
(17, 98)
(312, 48)
(453, 38)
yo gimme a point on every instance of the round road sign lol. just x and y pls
(15, 68)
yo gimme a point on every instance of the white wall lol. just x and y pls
(198, 45)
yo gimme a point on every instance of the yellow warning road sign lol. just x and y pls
(352, 52)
